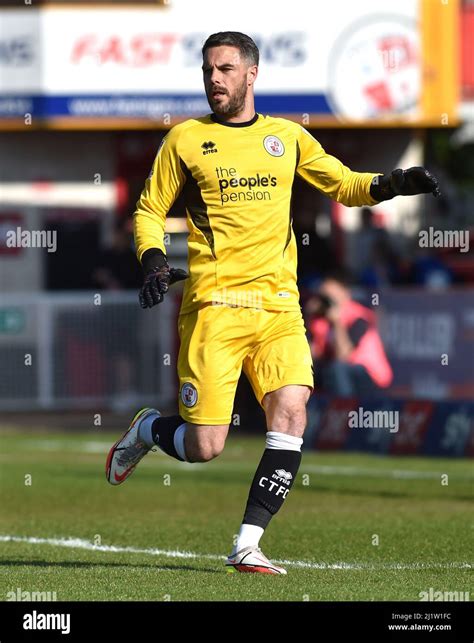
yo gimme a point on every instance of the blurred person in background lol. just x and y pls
(117, 266)
(376, 259)
(347, 350)
(315, 254)
(117, 270)
(383, 268)
(429, 270)
(366, 237)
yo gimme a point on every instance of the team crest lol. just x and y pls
(273, 145)
(189, 394)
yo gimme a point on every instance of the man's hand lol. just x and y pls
(333, 314)
(158, 278)
(415, 180)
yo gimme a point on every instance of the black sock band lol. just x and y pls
(162, 432)
(273, 479)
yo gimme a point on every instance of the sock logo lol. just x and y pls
(281, 473)
(270, 485)
(281, 476)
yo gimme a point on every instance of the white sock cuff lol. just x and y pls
(277, 440)
(178, 440)
(249, 536)
(144, 429)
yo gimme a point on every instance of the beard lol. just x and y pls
(234, 105)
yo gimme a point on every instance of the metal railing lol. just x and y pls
(85, 350)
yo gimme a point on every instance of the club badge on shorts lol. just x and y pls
(189, 394)
(273, 145)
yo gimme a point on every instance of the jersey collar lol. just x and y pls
(216, 119)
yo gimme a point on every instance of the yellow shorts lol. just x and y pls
(217, 341)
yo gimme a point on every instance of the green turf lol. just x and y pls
(347, 499)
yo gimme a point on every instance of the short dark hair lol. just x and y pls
(244, 44)
(339, 274)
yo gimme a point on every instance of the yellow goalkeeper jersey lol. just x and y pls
(237, 180)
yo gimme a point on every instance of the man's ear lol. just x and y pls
(252, 73)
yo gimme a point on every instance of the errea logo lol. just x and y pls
(282, 476)
(209, 147)
(281, 473)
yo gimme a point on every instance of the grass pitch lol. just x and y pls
(354, 527)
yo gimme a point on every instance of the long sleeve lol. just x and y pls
(161, 189)
(330, 176)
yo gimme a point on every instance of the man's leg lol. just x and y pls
(347, 380)
(336, 379)
(285, 411)
(179, 439)
(364, 385)
(183, 440)
(213, 343)
(280, 372)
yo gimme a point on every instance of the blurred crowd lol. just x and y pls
(379, 260)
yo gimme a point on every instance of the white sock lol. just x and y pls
(277, 440)
(144, 430)
(249, 536)
(178, 440)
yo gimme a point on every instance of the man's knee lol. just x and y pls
(285, 409)
(204, 443)
(290, 419)
(206, 452)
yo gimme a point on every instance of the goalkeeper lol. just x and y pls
(240, 307)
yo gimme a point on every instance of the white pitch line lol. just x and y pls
(80, 543)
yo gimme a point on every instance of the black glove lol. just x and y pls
(158, 278)
(415, 180)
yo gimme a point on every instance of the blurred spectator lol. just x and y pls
(383, 268)
(118, 267)
(429, 270)
(315, 255)
(368, 240)
(350, 359)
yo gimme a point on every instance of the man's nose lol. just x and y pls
(215, 77)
